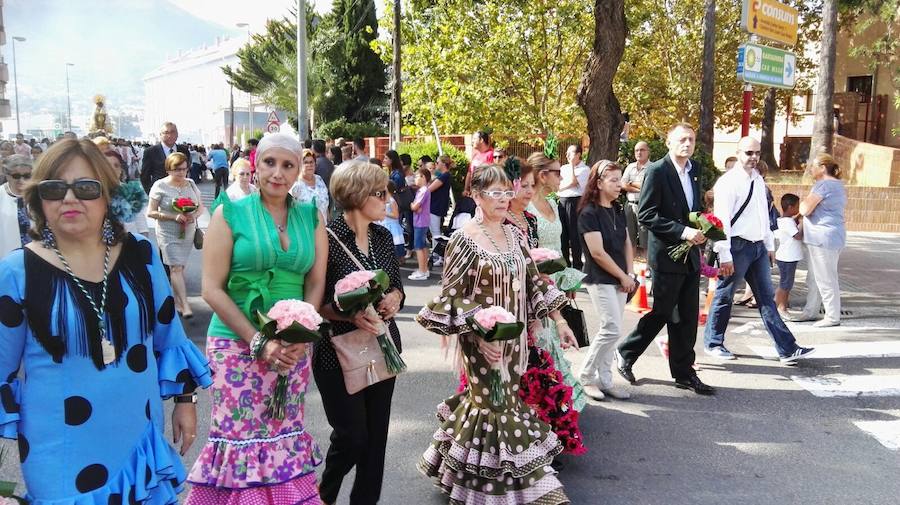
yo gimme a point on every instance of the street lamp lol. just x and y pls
(16, 81)
(246, 26)
(68, 98)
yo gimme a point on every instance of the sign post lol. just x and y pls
(273, 125)
(771, 20)
(767, 66)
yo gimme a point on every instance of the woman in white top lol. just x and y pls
(240, 174)
(14, 220)
(310, 186)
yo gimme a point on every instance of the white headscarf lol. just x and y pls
(282, 140)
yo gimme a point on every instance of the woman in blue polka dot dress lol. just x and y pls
(91, 346)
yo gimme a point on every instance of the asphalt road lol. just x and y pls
(826, 432)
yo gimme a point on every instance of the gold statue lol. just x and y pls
(100, 124)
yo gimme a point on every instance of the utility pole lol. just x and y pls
(68, 98)
(302, 102)
(396, 125)
(16, 81)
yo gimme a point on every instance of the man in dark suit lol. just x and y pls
(153, 166)
(670, 192)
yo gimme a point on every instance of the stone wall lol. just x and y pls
(868, 208)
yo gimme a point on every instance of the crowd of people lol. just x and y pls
(95, 345)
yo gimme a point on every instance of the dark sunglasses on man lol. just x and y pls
(19, 177)
(84, 189)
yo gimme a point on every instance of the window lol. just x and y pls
(861, 84)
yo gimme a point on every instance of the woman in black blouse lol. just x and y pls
(360, 421)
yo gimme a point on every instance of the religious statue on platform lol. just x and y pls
(100, 124)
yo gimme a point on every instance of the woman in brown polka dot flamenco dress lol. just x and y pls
(485, 452)
(87, 313)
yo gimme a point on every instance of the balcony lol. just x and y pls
(4, 72)
(5, 110)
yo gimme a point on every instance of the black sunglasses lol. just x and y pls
(84, 189)
(381, 195)
(751, 153)
(19, 177)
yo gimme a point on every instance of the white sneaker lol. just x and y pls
(617, 393)
(594, 393)
(826, 323)
(418, 276)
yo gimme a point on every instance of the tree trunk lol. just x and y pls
(767, 142)
(595, 92)
(708, 85)
(823, 122)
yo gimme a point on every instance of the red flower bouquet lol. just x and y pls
(706, 222)
(184, 205)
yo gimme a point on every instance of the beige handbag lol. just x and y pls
(360, 356)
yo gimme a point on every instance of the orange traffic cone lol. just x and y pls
(710, 294)
(639, 302)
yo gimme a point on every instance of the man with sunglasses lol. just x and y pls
(153, 164)
(747, 253)
(14, 219)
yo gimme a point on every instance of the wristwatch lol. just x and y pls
(191, 398)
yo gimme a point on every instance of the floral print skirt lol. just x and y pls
(252, 458)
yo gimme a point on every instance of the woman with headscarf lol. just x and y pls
(258, 250)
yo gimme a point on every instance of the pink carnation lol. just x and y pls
(287, 312)
(353, 280)
(489, 317)
(539, 254)
(709, 271)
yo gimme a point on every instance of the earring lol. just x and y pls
(47, 237)
(109, 235)
(479, 215)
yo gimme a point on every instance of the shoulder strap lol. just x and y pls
(346, 249)
(744, 205)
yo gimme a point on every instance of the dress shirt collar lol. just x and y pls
(681, 170)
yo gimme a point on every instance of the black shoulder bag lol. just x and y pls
(712, 258)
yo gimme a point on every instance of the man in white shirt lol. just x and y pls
(748, 252)
(574, 176)
(632, 180)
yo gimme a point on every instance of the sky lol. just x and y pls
(113, 44)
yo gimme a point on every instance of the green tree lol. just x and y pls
(467, 70)
(360, 74)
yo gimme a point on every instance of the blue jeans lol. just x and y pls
(751, 262)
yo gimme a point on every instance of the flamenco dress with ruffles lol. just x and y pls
(251, 457)
(90, 433)
(482, 452)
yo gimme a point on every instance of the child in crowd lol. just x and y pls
(392, 221)
(421, 208)
(790, 249)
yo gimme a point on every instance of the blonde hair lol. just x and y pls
(239, 164)
(173, 160)
(350, 186)
(831, 166)
(60, 154)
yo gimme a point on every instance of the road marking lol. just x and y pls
(886, 432)
(882, 349)
(844, 386)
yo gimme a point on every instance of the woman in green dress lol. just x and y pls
(549, 234)
(258, 250)
(483, 452)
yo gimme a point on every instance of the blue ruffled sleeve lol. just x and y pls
(182, 367)
(13, 332)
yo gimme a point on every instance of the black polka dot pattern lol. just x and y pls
(8, 399)
(12, 376)
(78, 410)
(131, 499)
(184, 377)
(11, 314)
(339, 265)
(166, 311)
(24, 447)
(91, 477)
(114, 499)
(137, 358)
(148, 476)
(147, 410)
(145, 250)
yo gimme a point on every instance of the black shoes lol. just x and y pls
(694, 384)
(624, 368)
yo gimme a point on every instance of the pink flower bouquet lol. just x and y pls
(362, 290)
(291, 322)
(547, 261)
(709, 271)
(495, 325)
